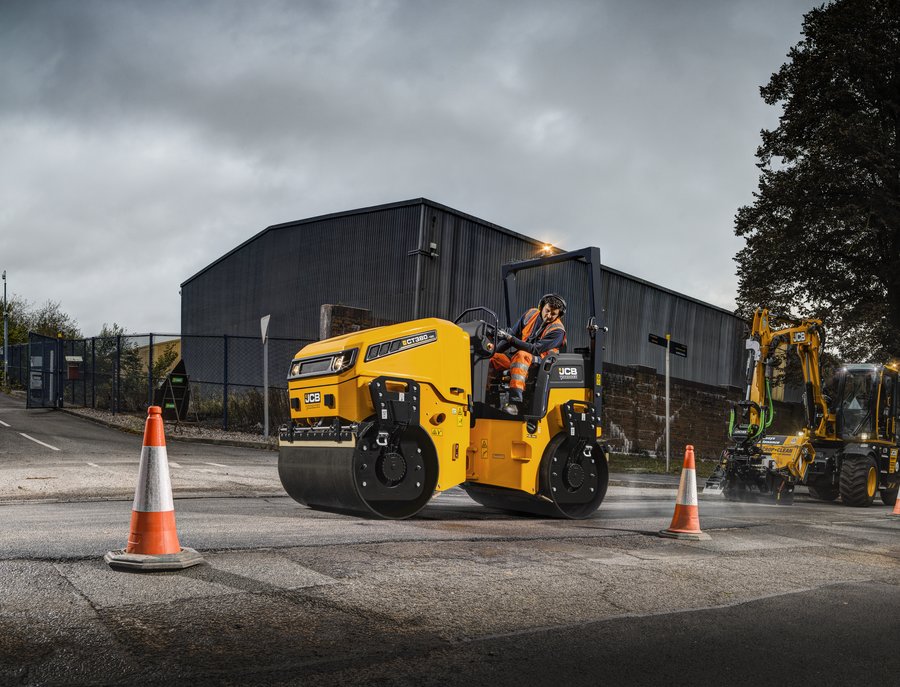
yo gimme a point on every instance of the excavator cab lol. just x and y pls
(860, 458)
(384, 419)
(857, 397)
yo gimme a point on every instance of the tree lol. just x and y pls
(823, 234)
(48, 319)
(18, 316)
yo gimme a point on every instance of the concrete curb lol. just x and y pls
(641, 485)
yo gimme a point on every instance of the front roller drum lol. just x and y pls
(388, 477)
(574, 477)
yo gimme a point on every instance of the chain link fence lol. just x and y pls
(126, 374)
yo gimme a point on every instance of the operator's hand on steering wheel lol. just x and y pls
(503, 334)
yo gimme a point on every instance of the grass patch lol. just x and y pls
(650, 465)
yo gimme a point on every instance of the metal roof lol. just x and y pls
(362, 211)
(459, 213)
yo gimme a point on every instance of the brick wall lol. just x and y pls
(335, 320)
(634, 407)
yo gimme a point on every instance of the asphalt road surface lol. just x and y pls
(460, 595)
(48, 454)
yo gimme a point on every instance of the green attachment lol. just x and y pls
(731, 423)
(771, 415)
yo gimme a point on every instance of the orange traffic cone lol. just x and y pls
(153, 540)
(686, 520)
(896, 512)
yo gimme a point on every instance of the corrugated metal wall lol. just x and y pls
(363, 259)
(636, 309)
(288, 271)
(466, 272)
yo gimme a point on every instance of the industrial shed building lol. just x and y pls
(418, 258)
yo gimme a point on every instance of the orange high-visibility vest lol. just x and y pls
(533, 315)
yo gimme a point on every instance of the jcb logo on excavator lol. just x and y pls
(799, 337)
(312, 398)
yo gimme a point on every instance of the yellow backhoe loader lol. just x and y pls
(384, 419)
(849, 445)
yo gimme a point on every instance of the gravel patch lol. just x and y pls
(180, 432)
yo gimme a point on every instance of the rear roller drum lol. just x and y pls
(388, 474)
(573, 482)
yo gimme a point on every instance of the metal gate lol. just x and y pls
(44, 372)
(57, 372)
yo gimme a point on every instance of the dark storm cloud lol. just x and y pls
(148, 138)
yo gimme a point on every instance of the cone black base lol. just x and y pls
(691, 536)
(141, 562)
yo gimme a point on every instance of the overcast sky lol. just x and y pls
(142, 140)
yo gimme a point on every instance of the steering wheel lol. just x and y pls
(487, 331)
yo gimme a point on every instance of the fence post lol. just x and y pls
(93, 373)
(118, 376)
(225, 384)
(150, 373)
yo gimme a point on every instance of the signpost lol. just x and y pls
(679, 350)
(264, 328)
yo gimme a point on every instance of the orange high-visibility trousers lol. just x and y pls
(517, 365)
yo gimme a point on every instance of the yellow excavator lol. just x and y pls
(849, 444)
(384, 419)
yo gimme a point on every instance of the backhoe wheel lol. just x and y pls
(859, 481)
(824, 492)
(889, 496)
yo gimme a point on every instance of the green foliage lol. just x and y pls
(245, 409)
(823, 234)
(113, 351)
(163, 361)
(48, 319)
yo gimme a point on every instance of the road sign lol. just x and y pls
(674, 347)
(679, 350)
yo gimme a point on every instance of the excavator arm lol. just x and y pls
(756, 460)
(807, 337)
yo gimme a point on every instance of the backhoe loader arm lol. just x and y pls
(757, 411)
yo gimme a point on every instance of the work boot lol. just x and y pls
(512, 406)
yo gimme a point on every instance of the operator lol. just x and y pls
(539, 332)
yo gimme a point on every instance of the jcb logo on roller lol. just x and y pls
(312, 398)
(567, 372)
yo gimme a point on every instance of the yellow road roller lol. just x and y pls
(384, 419)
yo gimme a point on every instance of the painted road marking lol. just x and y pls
(173, 464)
(38, 441)
(217, 465)
(3, 423)
(94, 465)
